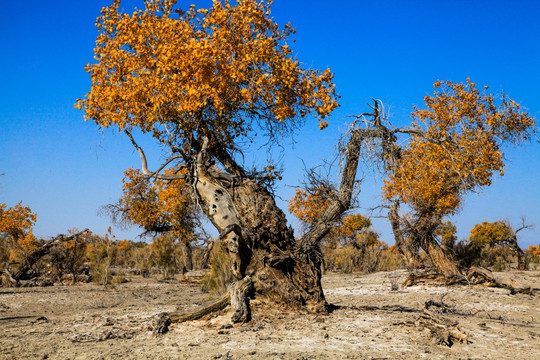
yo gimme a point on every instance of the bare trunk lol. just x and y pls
(405, 248)
(206, 255)
(520, 255)
(187, 255)
(442, 261)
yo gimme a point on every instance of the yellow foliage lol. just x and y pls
(16, 221)
(16, 238)
(461, 148)
(157, 206)
(490, 233)
(309, 206)
(203, 71)
(534, 250)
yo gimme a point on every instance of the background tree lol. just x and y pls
(161, 206)
(101, 253)
(498, 234)
(455, 146)
(351, 244)
(16, 238)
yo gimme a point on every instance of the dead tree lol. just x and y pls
(22, 272)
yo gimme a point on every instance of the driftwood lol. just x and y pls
(24, 269)
(475, 276)
(445, 331)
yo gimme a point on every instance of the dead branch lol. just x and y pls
(445, 331)
(38, 254)
(475, 276)
(155, 174)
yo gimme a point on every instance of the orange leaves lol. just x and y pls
(460, 148)
(309, 206)
(16, 222)
(494, 233)
(16, 232)
(156, 206)
(205, 66)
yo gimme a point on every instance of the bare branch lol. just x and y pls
(155, 174)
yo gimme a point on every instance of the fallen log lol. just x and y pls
(445, 331)
(34, 257)
(474, 276)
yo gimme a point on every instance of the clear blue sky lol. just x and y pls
(65, 168)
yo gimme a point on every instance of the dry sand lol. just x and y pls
(369, 321)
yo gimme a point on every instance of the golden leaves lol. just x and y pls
(490, 233)
(157, 206)
(460, 149)
(16, 222)
(206, 66)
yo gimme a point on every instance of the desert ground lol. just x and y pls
(369, 320)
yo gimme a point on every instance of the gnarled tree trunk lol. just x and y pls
(422, 233)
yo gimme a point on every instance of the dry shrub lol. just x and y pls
(101, 253)
(369, 259)
(220, 275)
(164, 254)
(120, 278)
(141, 259)
(497, 258)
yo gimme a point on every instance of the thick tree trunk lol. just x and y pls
(442, 261)
(255, 233)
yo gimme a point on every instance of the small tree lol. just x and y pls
(16, 239)
(164, 252)
(101, 252)
(498, 235)
(159, 207)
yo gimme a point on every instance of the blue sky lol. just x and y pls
(65, 168)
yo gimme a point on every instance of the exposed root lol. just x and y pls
(240, 293)
(238, 298)
(475, 276)
(164, 320)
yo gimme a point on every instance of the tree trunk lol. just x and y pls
(408, 251)
(187, 255)
(519, 252)
(442, 261)
(255, 232)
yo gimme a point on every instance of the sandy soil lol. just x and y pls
(370, 321)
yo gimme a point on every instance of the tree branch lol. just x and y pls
(155, 174)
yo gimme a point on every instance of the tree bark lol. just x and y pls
(255, 232)
(422, 233)
(187, 255)
(408, 251)
(442, 261)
